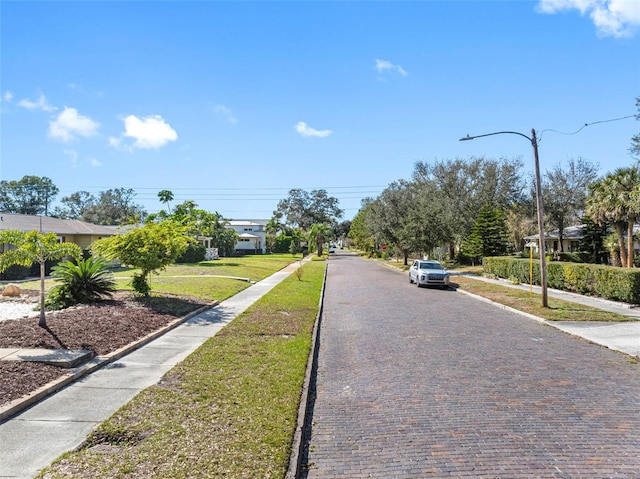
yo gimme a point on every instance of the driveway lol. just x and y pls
(418, 383)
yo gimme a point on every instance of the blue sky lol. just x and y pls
(231, 104)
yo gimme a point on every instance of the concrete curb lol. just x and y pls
(18, 405)
(306, 398)
(543, 321)
(557, 293)
(505, 307)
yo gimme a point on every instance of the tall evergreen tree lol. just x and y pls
(488, 236)
(593, 240)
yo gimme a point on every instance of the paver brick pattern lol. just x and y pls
(424, 383)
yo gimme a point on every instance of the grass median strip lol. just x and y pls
(558, 310)
(229, 410)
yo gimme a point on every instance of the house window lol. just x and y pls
(248, 229)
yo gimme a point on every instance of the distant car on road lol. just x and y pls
(332, 249)
(428, 273)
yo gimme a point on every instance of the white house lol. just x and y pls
(251, 235)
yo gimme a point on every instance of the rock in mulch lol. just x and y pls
(12, 290)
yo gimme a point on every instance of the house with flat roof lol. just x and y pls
(252, 237)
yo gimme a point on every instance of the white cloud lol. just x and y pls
(306, 131)
(383, 66)
(7, 97)
(115, 142)
(95, 162)
(69, 124)
(39, 104)
(226, 112)
(617, 18)
(148, 132)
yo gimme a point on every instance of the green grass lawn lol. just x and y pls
(229, 410)
(204, 280)
(558, 310)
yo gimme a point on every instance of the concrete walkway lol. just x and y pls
(31, 440)
(623, 337)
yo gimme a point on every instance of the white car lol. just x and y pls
(428, 273)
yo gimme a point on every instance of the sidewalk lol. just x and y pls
(623, 337)
(33, 439)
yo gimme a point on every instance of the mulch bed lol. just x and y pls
(103, 328)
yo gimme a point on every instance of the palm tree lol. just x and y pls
(273, 226)
(614, 200)
(35, 247)
(318, 234)
(165, 197)
(612, 246)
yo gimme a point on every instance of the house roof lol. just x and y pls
(570, 233)
(253, 222)
(248, 236)
(47, 224)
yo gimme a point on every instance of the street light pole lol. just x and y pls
(543, 259)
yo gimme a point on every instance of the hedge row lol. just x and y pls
(619, 284)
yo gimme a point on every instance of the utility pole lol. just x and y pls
(541, 248)
(543, 260)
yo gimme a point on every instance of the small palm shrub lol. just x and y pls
(84, 282)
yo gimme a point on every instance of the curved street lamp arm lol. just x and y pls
(496, 133)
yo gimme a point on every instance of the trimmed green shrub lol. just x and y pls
(617, 283)
(610, 282)
(282, 243)
(15, 272)
(194, 253)
(573, 257)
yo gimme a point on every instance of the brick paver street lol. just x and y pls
(424, 383)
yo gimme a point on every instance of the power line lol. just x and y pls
(584, 126)
(174, 189)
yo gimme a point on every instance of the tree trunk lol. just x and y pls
(630, 242)
(561, 235)
(623, 249)
(43, 321)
